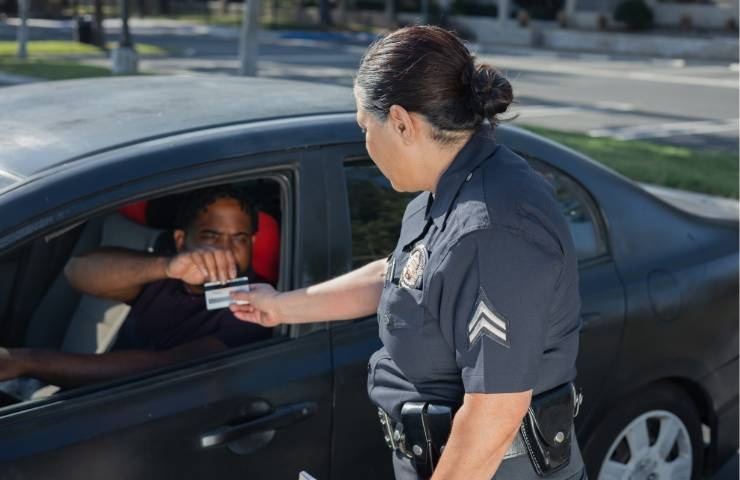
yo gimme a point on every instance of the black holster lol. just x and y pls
(426, 428)
(547, 426)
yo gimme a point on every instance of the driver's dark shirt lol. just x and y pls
(166, 315)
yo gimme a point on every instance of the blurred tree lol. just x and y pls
(325, 13)
(99, 32)
(390, 12)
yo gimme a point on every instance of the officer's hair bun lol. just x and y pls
(490, 93)
(429, 70)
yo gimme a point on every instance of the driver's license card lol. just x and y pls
(218, 294)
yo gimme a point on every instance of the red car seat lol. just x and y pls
(265, 249)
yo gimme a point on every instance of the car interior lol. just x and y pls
(40, 309)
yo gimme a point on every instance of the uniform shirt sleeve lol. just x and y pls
(497, 291)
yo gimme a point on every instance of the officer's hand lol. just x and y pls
(202, 265)
(259, 305)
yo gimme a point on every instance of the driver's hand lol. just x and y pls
(9, 366)
(260, 305)
(202, 265)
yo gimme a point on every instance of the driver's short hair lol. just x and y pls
(194, 203)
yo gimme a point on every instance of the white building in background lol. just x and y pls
(711, 14)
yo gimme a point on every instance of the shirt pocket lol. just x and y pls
(403, 309)
(401, 324)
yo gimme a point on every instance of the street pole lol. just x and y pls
(23, 8)
(503, 12)
(124, 58)
(248, 39)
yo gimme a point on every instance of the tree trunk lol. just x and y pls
(164, 7)
(342, 12)
(390, 13)
(324, 13)
(99, 31)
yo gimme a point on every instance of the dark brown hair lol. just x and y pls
(428, 70)
(198, 201)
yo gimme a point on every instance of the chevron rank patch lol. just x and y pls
(486, 322)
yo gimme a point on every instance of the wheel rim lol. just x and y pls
(654, 446)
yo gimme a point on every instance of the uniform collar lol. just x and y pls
(478, 148)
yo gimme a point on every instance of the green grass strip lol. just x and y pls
(51, 69)
(62, 48)
(705, 171)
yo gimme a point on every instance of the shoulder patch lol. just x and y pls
(486, 321)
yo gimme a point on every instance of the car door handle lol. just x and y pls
(281, 417)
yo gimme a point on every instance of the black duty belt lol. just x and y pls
(423, 433)
(544, 434)
(397, 439)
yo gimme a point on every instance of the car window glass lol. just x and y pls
(578, 209)
(376, 211)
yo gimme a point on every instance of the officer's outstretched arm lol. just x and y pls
(353, 295)
(482, 431)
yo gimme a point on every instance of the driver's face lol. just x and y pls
(223, 224)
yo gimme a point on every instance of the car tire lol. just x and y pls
(628, 443)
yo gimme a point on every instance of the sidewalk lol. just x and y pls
(697, 203)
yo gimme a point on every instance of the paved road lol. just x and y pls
(672, 101)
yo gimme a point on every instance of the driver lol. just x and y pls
(168, 321)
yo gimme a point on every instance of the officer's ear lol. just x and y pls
(403, 123)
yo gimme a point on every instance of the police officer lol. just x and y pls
(478, 305)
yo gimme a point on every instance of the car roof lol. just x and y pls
(45, 125)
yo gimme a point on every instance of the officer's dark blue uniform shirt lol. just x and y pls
(481, 292)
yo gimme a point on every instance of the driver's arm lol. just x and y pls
(120, 273)
(73, 369)
(115, 273)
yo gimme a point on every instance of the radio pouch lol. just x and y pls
(547, 429)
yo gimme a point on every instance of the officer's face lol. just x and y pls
(387, 149)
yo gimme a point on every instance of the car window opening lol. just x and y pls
(40, 309)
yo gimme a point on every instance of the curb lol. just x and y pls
(10, 79)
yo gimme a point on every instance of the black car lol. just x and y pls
(658, 362)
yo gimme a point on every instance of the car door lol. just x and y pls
(259, 411)
(367, 230)
(263, 413)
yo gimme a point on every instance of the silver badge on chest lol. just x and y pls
(414, 268)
